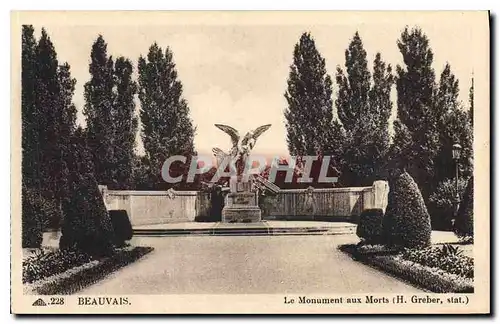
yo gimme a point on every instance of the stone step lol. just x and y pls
(247, 231)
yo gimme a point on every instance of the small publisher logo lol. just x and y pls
(39, 302)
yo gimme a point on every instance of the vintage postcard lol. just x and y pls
(312, 162)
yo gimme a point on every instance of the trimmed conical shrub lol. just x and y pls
(87, 226)
(464, 222)
(407, 222)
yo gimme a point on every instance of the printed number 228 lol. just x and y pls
(56, 301)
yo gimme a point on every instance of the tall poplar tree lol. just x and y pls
(309, 114)
(380, 102)
(99, 100)
(415, 84)
(167, 128)
(67, 126)
(48, 119)
(364, 108)
(56, 116)
(29, 113)
(354, 86)
(454, 126)
(47, 102)
(124, 124)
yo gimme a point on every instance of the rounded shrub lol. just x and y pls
(121, 226)
(87, 226)
(464, 223)
(407, 222)
(370, 226)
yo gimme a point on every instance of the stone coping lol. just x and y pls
(346, 189)
(194, 193)
(151, 193)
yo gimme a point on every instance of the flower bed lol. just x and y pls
(45, 263)
(447, 258)
(77, 278)
(377, 249)
(424, 276)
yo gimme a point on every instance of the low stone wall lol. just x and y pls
(334, 203)
(158, 207)
(155, 207)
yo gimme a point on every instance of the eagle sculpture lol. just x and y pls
(240, 149)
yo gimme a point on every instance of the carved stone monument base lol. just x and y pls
(242, 205)
(248, 214)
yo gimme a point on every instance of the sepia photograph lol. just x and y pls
(250, 162)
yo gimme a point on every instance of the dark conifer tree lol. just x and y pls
(167, 129)
(309, 114)
(415, 83)
(364, 109)
(29, 113)
(124, 123)
(99, 100)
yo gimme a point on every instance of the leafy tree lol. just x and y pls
(98, 109)
(125, 123)
(309, 113)
(167, 129)
(364, 109)
(415, 84)
(442, 203)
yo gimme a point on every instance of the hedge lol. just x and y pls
(121, 226)
(370, 226)
(422, 276)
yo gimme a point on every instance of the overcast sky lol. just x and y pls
(236, 74)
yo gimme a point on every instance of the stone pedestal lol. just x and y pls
(242, 205)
